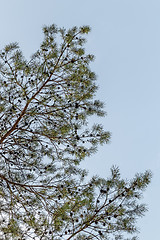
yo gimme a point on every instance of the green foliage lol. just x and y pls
(44, 107)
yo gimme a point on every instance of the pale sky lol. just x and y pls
(125, 39)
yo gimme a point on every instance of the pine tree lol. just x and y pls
(45, 104)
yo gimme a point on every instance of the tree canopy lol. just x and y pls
(45, 104)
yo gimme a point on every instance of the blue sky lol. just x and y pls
(125, 39)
